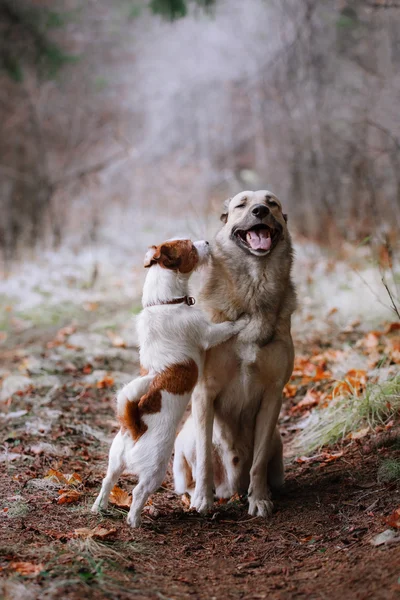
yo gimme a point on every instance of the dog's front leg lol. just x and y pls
(203, 415)
(221, 332)
(260, 503)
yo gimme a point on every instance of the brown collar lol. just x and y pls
(189, 300)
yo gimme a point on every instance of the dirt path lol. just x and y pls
(60, 419)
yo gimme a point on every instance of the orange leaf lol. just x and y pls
(106, 382)
(390, 327)
(98, 532)
(311, 398)
(120, 498)
(73, 479)
(27, 568)
(371, 340)
(290, 390)
(354, 382)
(56, 476)
(392, 349)
(394, 519)
(330, 457)
(68, 496)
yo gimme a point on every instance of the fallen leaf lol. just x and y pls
(68, 496)
(27, 568)
(65, 479)
(116, 340)
(290, 390)
(105, 382)
(371, 340)
(332, 311)
(311, 398)
(73, 479)
(354, 382)
(330, 457)
(186, 500)
(90, 306)
(350, 327)
(120, 498)
(3, 336)
(98, 532)
(390, 327)
(357, 435)
(386, 537)
(56, 476)
(392, 349)
(394, 519)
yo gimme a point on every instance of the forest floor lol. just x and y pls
(59, 371)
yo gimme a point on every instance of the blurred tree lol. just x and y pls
(25, 40)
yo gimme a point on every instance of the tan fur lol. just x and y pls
(176, 379)
(241, 388)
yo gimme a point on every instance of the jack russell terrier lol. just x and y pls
(173, 338)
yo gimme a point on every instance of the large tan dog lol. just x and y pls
(231, 441)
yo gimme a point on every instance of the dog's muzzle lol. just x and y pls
(258, 239)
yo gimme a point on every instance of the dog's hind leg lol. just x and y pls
(276, 470)
(140, 494)
(133, 390)
(115, 468)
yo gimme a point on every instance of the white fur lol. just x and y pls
(169, 334)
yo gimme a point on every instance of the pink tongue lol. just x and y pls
(259, 240)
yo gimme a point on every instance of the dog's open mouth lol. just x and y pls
(259, 238)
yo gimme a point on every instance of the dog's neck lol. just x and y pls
(162, 285)
(234, 285)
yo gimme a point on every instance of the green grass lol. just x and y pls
(379, 404)
(389, 470)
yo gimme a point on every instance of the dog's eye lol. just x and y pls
(272, 203)
(241, 205)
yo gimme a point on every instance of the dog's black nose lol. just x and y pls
(207, 243)
(260, 211)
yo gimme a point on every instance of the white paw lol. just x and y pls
(260, 508)
(98, 506)
(203, 503)
(134, 520)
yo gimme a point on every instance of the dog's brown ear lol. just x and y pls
(152, 256)
(285, 217)
(170, 255)
(225, 210)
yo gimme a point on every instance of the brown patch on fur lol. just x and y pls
(176, 379)
(143, 371)
(178, 255)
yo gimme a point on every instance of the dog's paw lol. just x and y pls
(203, 503)
(133, 519)
(260, 508)
(97, 507)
